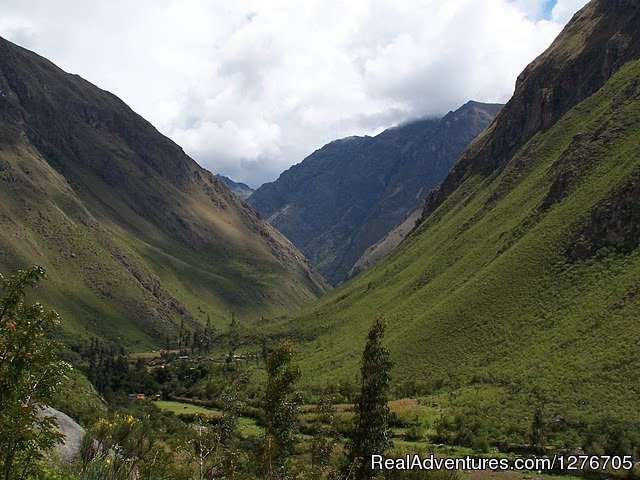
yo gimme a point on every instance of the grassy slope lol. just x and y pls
(135, 236)
(59, 235)
(96, 294)
(235, 270)
(484, 290)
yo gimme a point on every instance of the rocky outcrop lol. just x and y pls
(72, 432)
(614, 224)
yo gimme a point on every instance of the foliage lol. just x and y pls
(233, 338)
(280, 406)
(77, 398)
(538, 427)
(324, 437)
(611, 436)
(216, 447)
(115, 447)
(30, 371)
(371, 435)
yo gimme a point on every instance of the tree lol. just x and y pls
(371, 430)
(324, 436)
(538, 426)
(281, 404)
(216, 446)
(208, 335)
(234, 340)
(29, 373)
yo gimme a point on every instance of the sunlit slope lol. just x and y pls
(531, 274)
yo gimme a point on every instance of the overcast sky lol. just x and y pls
(249, 88)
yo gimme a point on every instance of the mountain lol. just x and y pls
(135, 236)
(522, 281)
(387, 244)
(348, 195)
(243, 190)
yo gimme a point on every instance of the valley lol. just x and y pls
(484, 265)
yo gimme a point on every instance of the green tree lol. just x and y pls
(281, 403)
(538, 427)
(371, 430)
(29, 373)
(324, 436)
(216, 447)
(234, 340)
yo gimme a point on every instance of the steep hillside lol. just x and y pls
(135, 236)
(522, 280)
(387, 244)
(348, 195)
(243, 190)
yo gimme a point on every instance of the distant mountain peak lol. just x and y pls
(349, 194)
(243, 190)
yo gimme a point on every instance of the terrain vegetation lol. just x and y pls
(519, 286)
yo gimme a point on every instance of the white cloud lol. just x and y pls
(563, 10)
(250, 87)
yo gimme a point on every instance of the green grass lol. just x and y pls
(182, 408)
(482, 301)
(248, 426)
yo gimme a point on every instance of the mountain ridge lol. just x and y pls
(593, 60)
(137, 234)
(349, 194)
(243, 190)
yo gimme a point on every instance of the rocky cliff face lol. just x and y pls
(134, 233)
(347, 196)
(595, 43)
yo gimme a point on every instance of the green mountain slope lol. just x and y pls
(524, 274)
(136, 236)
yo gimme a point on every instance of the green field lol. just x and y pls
(182, 408)
(248, 426)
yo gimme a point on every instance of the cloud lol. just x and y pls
(563, 10)
(250, 87)
(534, 9)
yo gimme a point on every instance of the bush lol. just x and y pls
(415, 433)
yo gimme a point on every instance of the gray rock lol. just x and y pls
(69, 448)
